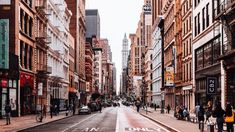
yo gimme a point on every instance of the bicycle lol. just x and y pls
(39, 116)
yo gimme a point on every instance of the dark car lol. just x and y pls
(84, 110)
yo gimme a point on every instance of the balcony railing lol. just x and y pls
(44, 69)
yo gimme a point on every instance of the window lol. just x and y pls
(190, 23)
(207, 55)
(203, 18)
(196, 2)
(30, 26)
(207, 15)
(216, 50)
(25, 23)
(198, 23)
(190, 69)
(187, 26)
(186, 47)
(30, 57)
(21, 53)
(199, 58)
(21, 19)
(190, 49)
(195, 26)
(25, 56)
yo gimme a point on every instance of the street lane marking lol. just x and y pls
(117, 122)
(78, 123)
(91, 130)
(152, 122)
(144, 129)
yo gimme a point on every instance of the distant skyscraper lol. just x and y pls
(92, 23)
(125, 52)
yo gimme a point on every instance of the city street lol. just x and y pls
(111, 119)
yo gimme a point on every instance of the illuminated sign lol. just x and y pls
(5, 2)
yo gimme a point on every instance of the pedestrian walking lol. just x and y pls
(137, 104)
(51, 110)
(196, 110)
(229, 118)
(168, 108)
(8, 113)
(201, 117)
(155, 106)
(208, 111)
(44, 111)
(100, 106)
(219, 114)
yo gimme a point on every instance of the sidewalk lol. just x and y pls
(28, 121)
(169, 121)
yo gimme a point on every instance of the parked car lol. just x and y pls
(93, 106)
(84, 110)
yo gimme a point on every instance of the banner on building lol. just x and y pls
(4, 43)
(211, 85)
(40, 87)
(169, 76)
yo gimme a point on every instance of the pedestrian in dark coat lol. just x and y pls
(229, 118)
(168, 108)
(155, 106)
(201, 117)
(51, 110)
(219, 114)
(8, 113)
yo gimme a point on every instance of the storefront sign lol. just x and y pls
(4, 43)
(169, 76)
(5, 2)
(211, 85)
(4, 83)
(40, 89)
(26, 80)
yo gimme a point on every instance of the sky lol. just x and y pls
(117, 17)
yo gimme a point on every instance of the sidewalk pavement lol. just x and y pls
(28, 121)
(169, 121)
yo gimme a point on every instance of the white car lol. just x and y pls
(84, 110)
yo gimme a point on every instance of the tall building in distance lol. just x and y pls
(92, 23)
(125, 51)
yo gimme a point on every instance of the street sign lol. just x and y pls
(211, 85)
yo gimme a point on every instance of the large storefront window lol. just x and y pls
(208, 54)
(216, 50)
(199, 59)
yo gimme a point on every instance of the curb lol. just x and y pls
(166, 126)
(21, 130)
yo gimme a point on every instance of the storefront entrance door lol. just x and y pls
(4, 99)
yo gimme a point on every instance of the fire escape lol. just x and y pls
(224, 13)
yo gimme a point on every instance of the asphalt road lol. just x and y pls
(111, 119)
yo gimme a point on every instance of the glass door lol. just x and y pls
(4, 99)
